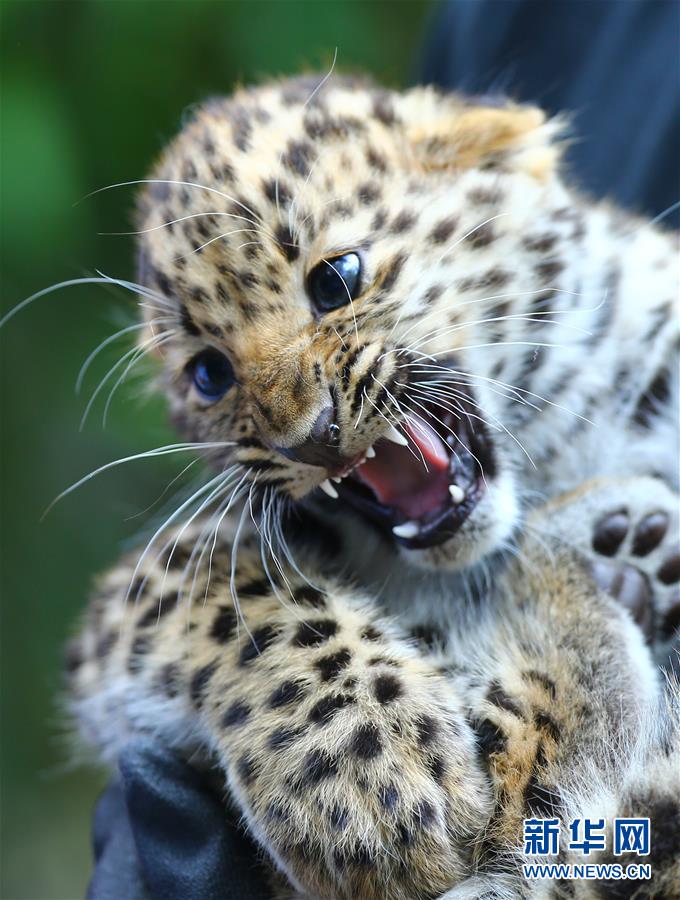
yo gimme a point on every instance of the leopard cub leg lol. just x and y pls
(348, 754)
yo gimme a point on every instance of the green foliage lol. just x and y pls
(90, 91)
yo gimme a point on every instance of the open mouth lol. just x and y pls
(423, 482)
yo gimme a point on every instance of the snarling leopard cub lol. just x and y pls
(418, 597)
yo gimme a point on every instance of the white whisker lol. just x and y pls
(147, 454)
(105, 343)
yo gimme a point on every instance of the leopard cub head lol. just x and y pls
(330, 271)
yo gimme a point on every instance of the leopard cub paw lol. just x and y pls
(629, 530)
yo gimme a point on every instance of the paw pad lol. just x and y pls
(610, 532)
(631, 589)
(649, 533)
(669, 573)
(671, 621)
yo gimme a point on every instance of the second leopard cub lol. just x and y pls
(436, 388)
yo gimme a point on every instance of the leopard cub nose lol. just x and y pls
(320, 448)
(324, 430)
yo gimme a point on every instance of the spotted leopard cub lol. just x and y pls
(419, 597)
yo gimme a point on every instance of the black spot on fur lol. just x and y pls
(383, 109)
(541, 243)
(360, 856)
(403, 222)
(169, 678)
(256, 646)
(546, 723)
(286, 242)
(339, 817)
(198, 294)
(287, 692)
(369, 193)
(273, 190)
(366, 743)
(241, 126)
(188, 323)
(424, 814)
(319, 125)
(261, 587)
(277, 812)
(548, 271)
(490, 738)
(433, 293)
(283, 737)
(483, 196)
(406, 836)
(387, 688)
(383, 661)
(427, 729)
(332, 665)
(540, 800)
(393, 271)
(379, 220)
(224, 625)
(371, 634)
(664, 814)
(376, 160)
(237, 714)
(652, 400)
(298, 156)
(493, 278)
(443, 230)
(481, 237)
(140, 647)
(200, 681)
(309, 634)
(388, 796)
(428, 636)
(247, 769)
(437, 768)
(310, 596)
(318, 766)
(324, 710)
(106, 643)
(498, 697)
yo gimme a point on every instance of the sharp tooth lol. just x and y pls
(457, 493)
(407, 530)
(336, 479)
(328, 488)
(393, 435)
(370, 453)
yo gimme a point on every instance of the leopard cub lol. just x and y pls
(427, 586)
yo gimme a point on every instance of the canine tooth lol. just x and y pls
(370, 453)
(328, 488)
(407, 530)
(457, 493)
(393, 435)
(336, 479)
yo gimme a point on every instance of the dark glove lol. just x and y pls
(162, 833)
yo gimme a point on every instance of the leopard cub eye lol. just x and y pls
(212, 373)
(334, 282)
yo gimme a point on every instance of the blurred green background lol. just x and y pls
(91, 89)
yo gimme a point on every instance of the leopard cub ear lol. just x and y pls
(457, 136)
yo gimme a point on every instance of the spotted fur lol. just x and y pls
(385, 718)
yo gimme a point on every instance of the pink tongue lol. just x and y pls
(398, 477)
